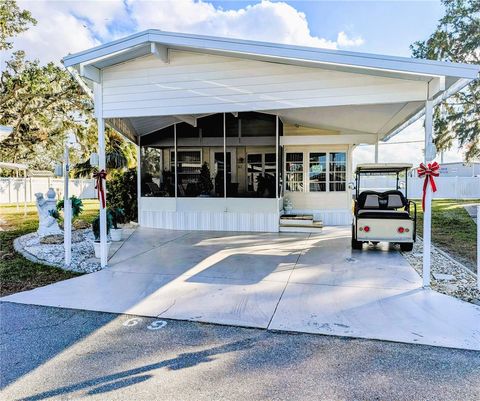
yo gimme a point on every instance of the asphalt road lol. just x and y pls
(60, 354)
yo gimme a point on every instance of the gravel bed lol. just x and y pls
(83, 255)
(462, 285)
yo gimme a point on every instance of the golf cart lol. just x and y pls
(383, 215)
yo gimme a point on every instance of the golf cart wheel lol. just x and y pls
(406, 246)
(355, 244)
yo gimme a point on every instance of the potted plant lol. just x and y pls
(205, 184)
(96, 233)
(118, 216)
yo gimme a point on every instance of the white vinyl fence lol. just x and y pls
(447, 187)
(12, 190)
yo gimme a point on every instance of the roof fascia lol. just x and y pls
(279, 52)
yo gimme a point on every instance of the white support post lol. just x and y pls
(427, 213)
(176, 160)
(101, 166)
(139, 186)
(376, 151)
(277, 178)
(225, 156)
(67, 209)
(25, 192)
(478, 248)
(103, 210)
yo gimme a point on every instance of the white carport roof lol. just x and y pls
(384, 120)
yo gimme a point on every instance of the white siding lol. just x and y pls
(200, 83)
(212, 214)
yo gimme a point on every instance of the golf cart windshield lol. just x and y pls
(382, 169)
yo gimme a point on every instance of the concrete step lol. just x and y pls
(295, 219)
(313, 227)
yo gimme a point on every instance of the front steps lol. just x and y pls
(299, 223)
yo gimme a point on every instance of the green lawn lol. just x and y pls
(453, 230)
(16, 272)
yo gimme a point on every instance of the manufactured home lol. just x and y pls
(232, 134)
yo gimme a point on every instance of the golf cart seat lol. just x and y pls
(382, 205)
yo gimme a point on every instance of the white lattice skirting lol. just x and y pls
(210, 220)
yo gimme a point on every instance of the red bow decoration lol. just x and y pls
(101, 175)
(429, 171)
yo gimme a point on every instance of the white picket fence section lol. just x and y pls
(12, 190)
(447, 187)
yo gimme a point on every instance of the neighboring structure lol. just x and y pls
(460, 169)
(271, 121)
(40, 173)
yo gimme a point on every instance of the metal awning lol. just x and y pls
(379, 168)
(13, 166)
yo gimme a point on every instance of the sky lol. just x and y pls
(385, 27)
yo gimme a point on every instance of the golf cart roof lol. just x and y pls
(379, 168)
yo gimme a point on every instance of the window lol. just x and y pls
(189, 165)
(326, 171)
(151, 179)
(317, 172)
(294, 172)
(337, 171)
(261, 173)
(254, 170)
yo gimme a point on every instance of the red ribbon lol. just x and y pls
(101, 175)
(429, 171)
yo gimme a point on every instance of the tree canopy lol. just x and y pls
(40, 103)
(43, 104)
(457, 39)
(12, 22)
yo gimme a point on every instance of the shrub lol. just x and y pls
(118, 216)
(122, 192)
(54, 213)
(96, 226)
(205, 184)
(77, 206)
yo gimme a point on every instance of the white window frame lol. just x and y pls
(306, 169)
(285, 152)
(262, 153)
(327, 171)
(328, 182)
(172, 150)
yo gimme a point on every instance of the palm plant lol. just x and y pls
(77, 206)
(119, 154)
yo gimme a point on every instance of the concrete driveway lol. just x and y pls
(292, 282)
